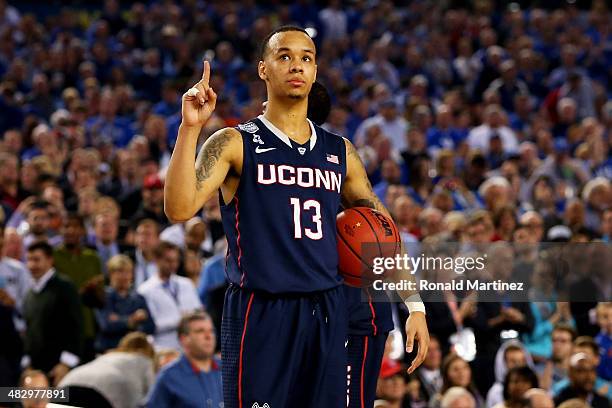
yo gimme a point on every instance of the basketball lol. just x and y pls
(364, 234)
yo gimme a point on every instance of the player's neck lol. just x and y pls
(290, 118)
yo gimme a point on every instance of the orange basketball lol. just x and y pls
(364, 234)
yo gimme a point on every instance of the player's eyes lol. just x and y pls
(307, 59)
(284, 57)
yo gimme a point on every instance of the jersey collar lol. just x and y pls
(283, 136)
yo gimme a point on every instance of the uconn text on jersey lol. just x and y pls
(301, 176)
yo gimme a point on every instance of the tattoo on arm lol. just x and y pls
(209, 156)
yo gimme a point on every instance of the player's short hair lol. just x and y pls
(319, 104)
(184, 324)
(42, 246)
(264, 44)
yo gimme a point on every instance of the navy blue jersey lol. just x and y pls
(281, 223)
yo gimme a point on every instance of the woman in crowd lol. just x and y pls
(456, 372)
(118, 379)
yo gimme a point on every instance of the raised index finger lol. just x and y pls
(206, 72)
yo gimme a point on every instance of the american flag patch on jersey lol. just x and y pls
(332, 158)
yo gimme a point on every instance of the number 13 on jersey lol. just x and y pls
(312, 207)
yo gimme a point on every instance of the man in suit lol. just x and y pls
(106, 228)
(52, 311)
(83, 268)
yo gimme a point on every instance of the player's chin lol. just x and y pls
(297, 94)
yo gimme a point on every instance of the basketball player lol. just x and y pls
(281, 180)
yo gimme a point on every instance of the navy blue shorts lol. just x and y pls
(286, 351)
(365, 355)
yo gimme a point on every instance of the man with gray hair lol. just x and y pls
(457, 397)
(496, 192)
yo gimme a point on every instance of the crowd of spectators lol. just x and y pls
(477, 121)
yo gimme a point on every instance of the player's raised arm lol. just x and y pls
(189, 181)
(357, 192)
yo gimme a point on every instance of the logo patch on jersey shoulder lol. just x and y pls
(259, 149)
(302, 150)
(249, 127)
(256, 405)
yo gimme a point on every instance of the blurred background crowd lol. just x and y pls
(478, 121)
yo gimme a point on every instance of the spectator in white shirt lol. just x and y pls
(13, 244)
(168, 296)
(393, 126)
(15, 281)
(480, 136)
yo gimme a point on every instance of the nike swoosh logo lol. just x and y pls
(258, 149)
(346, 343)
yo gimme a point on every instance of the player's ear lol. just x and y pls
(261, 70)
(315, 74)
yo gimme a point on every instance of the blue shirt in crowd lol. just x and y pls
(212, 277)
(112, 330)
(604, 340)
(183, 385)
